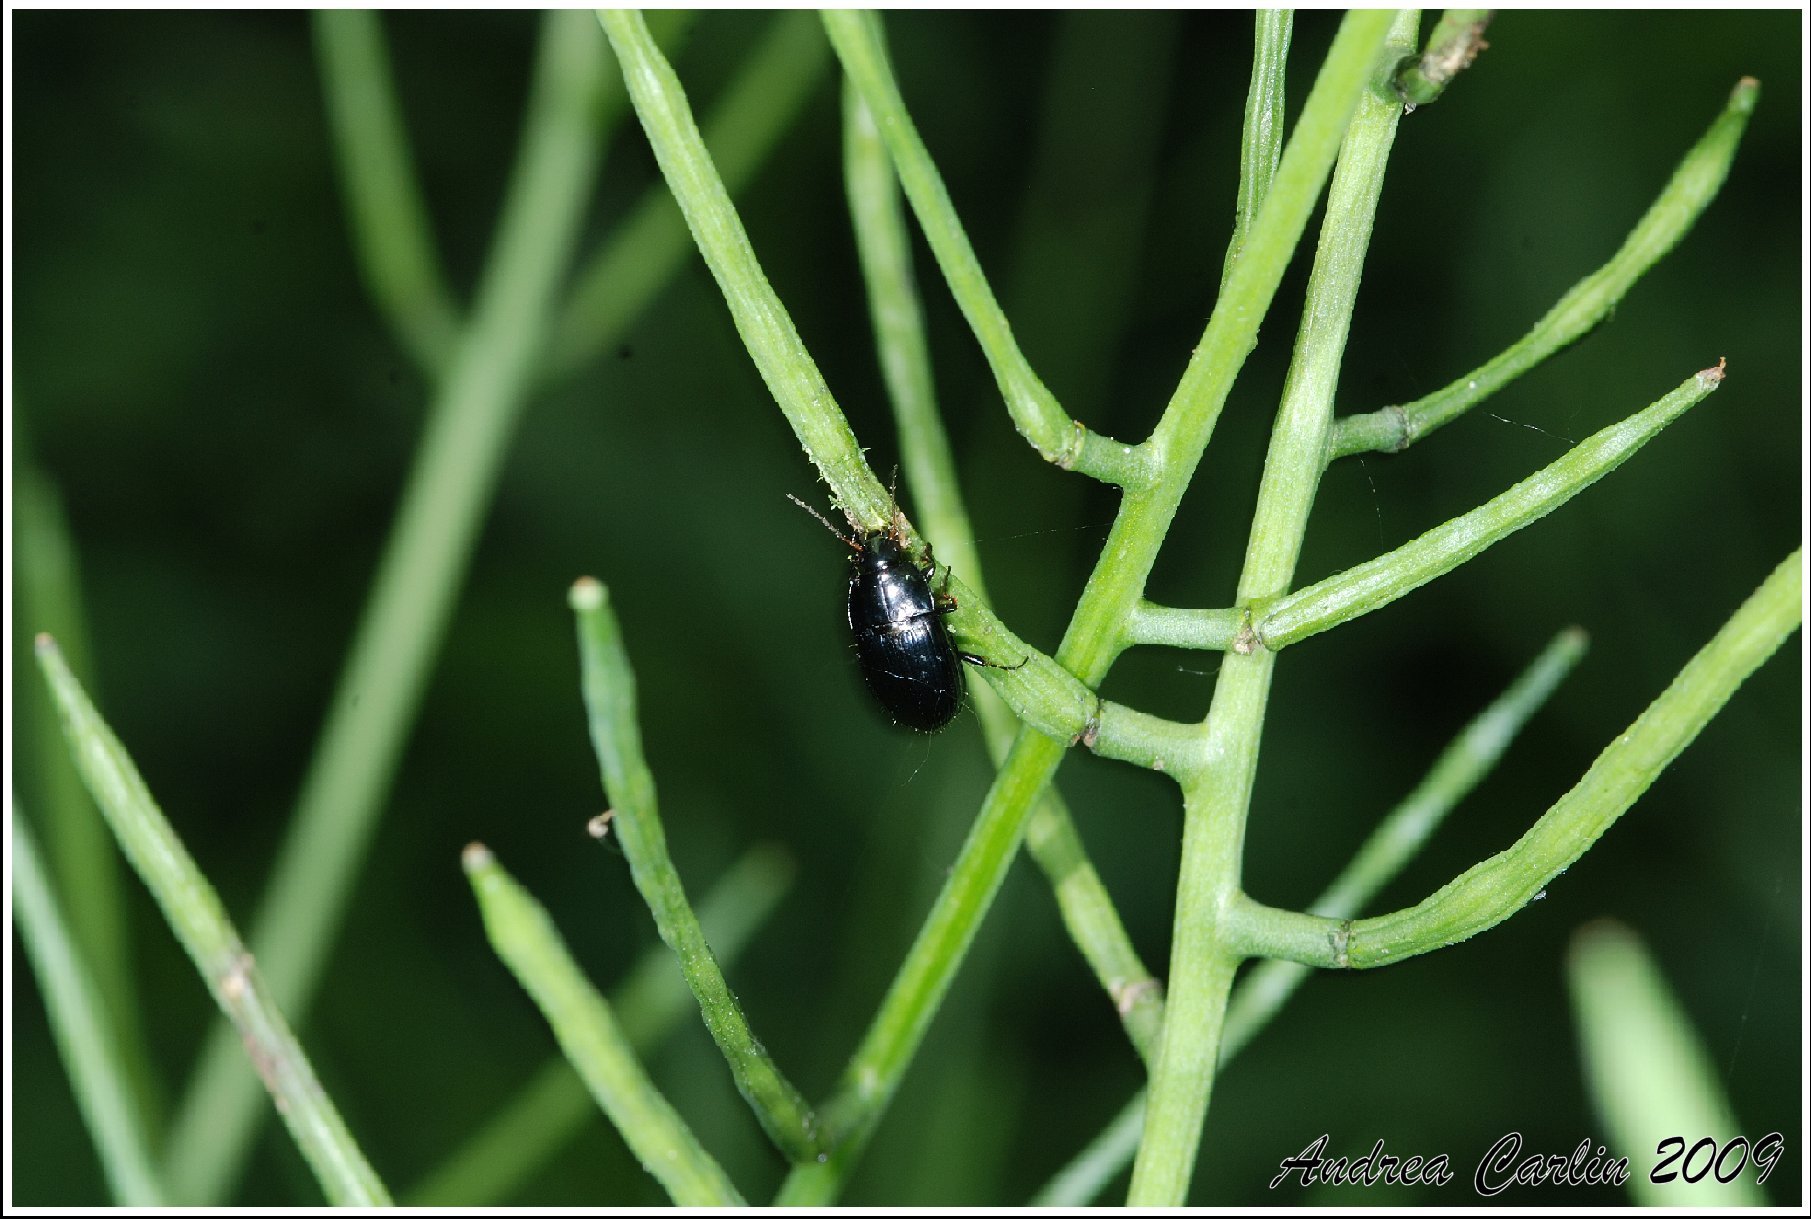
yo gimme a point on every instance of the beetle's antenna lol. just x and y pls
(893, 495)
(850, 542)
(896, 523)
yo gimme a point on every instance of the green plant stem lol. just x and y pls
(526, 1130)
(1211, 630)
(1457, 39)
(1094, 924)
(392, 235)
(201, 925)
(1084, 1178)
(1086, 907)
(1066, 707)
(1462, 765)
(766, 328)
(1051, 836)
(885, 250)
(101, 1082)
(529, 944)
(424, 561)
(745, 124)
(1264, 989)
(1216, 799)
(1650, 1076)
(1095, 633)
(616, 736)
(1106, 80)
(1375, 583)
(874, 1072)
(857, 38)
(1490, 892)
(1261, 144)
(1093, 638)
(79, 850)
(807, 404)
(1042, 692)
(1693, 185)
(81, 854)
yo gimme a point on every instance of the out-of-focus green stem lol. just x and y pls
(1079, 1182)
(99, 1079)
(746, 122)
(391, 232)
(78, 849)
(1651, 1077)
(418, 580)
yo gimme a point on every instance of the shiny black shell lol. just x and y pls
(907, 659)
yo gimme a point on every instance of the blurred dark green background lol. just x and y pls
(229, 422)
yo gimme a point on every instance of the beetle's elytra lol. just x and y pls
(905, 653)
(907, 659)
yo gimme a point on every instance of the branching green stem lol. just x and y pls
(1034, 409)
(616, 736)
(885, 247)
(1264, 989)
(1095, 634)
(1093, 638)
(1457, 39)
(200, 922)
(1377, 582)
(1216, 798)
(1490, 892)
(1464, 763)
(527, 941)
(1693, 185)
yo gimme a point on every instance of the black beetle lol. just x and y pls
(906, 655)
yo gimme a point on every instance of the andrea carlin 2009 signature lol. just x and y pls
(1504, 1165)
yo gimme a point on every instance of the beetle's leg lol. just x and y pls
(946, 604)
(982, 662)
